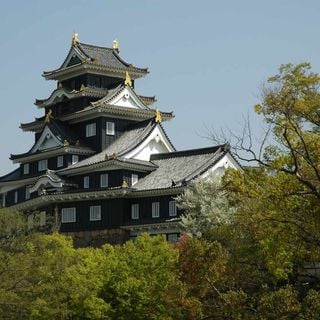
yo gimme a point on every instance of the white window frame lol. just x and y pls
(95, 213)
(74, 159)
(135, 211)
(110, 128)
(27, 195)
(155, 209)
(26, 168)
(172, 208)
(68, 215)
(134, 179)
(86, 182)
(43, 165)
(172, 237)
(91, 130)
(16, 196)
(60, 161)
(104, 180)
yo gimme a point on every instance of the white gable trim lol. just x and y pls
(45, 181)
(218, 170)
(156, 142)
(127, 98)
(47, 140)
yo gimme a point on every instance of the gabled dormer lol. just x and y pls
(57, 146)
(125, 96)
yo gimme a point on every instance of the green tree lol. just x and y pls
(272, 237)
(144, 283)
(42, 276)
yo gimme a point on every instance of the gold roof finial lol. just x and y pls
(115, 44)
(75, 39)
(66, 143)
(128, 81)
(158, 116)
(48, 117)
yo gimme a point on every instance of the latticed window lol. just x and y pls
(172, 237)
(68, 215)
(75, 158)
(110, 128)
(135, 211)
(91, 130)
(60, 161)
(172, 208)
(95, 213)
(86, 182)
(104, 180)
(26, 168)
(134, 179)
(155, 209)
(43, 165)
(15, 196)
(27, 194)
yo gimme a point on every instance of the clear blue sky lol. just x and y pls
(207, 58)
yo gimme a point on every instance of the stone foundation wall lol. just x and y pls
(97, 238)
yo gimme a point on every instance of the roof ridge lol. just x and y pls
(95, 46)
(189, 152)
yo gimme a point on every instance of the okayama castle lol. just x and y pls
(102, 163)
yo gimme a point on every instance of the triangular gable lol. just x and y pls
(74, 56)
(125, 97)
(219, 168)
(46, 141)
(156, 142)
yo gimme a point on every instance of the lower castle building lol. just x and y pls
(102, 163)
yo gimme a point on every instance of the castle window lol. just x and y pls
(75, 158)
(43, 165)
(155, 209)
(172, 237)
(91, 130)
(15, 196)
(95, 213)
(68, 215)
(104, 180)
(172, 208)
(27, 194)
(134, 179)
(60, 161)
(26, 168)
(110, 128)
(86, 182)
(135, 211)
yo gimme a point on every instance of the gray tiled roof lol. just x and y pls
(180, 167)
(11, 176)
(103, 55)
(132, 137)
(86, 91)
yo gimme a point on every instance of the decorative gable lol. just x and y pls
(123, 97)
(156, 142)
(46, 141)
(74, 56)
